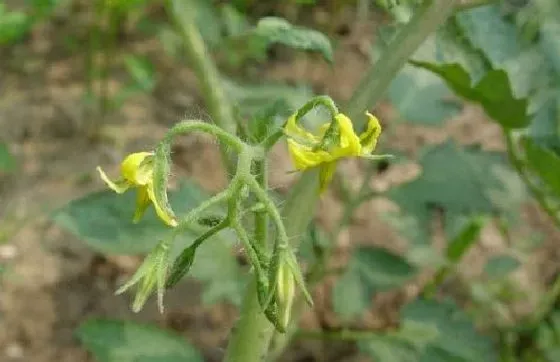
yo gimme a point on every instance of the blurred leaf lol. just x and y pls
(370, 270)
(124, 341)
(545, 163)
(550, 42)
(467, 236)
(500, 266)
(13, 25)
(7, 160)
(142, 72)
(458, 340)
(545, 125)
(104, 221)
(493, 92)
(487, 30)
(431, 332)
(421, 97)
(277, 30)
(461, 180)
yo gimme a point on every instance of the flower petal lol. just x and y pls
(304, 157)
(326, 174)
(142, 203)
(368, 139)
(293, 130)
(119, 186)
(349, 143)
(132, 170)
(160, 211)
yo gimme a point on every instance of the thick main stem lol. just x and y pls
(425, 21)
(250, 339)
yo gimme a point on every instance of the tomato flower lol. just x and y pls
(334, 141)
(137, 171)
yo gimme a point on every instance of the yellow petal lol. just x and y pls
(131, 170)
(304, 157)
(368, 139)
(349, 141)
(292, 129)
(160, 211)
(326, 175)
(119, 186)
(142, 203)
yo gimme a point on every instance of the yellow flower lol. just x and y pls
(330, 144)
(137, 171)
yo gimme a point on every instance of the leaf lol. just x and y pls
(104, 221)
(421, 97)
(460, 180)
(13, 25)
(458, 340)
(487, 30)
(467, 236)
(370, 270)
(277, 30)
(545, 163)
(493, 92)
(500, 266)
(7, 160)
(550, 42)
(123, 341)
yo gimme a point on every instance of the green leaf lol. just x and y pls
(123, 341)
(370, 270)
(7, 160)
(493, 92)
(545, 163)
(550, 43)
(389, 350)
(421, 97)
(277, 30)
(104, 221)
(500, 266)
(488, 31)
(458, 340)
(460, 180)
(467, 236)
(13, 25)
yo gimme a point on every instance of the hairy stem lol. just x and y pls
(184, 15)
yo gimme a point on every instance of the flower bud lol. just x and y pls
(285, 292)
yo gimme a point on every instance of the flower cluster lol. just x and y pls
(334, 141)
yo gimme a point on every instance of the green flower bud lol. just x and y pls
(150, 276)
(285, 292)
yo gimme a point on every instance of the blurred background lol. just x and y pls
(85, 82)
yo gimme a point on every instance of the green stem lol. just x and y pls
(521, 168)
(187, 222)
(261, 218)
(252, 334)
(426, 19)
(108, 56)
(184, 127)
(369, 92)
(183, 13)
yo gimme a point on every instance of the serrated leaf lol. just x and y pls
(493, 93)
(277, 30)
(123, 341)
(422, 97)
(104, 221)
(370, 270)
(545, 163)
(488, 31)
(500, 266)
(7, 160)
